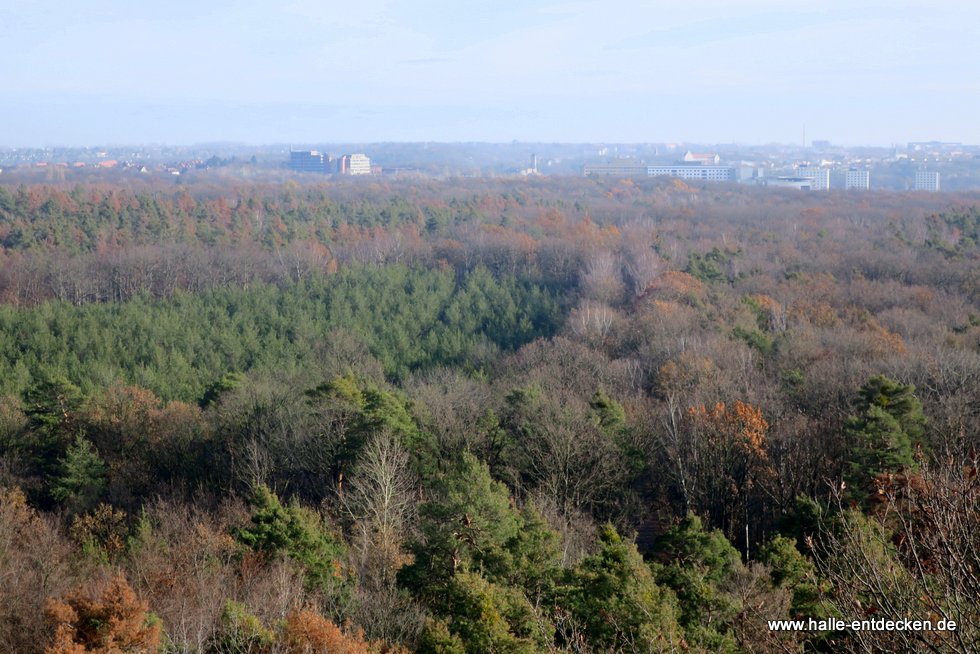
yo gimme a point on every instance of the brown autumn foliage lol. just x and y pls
(307, 632)
(724, 462)
(104, 527)
(114, 621)
(143, 439)
(674, 285)
(35, 562)
(743, 424)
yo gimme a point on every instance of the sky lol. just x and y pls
(99, 72)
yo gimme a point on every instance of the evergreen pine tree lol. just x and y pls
(81, 479)
(885, 430)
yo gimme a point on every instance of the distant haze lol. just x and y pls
(304, 71)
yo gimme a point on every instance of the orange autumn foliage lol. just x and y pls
(674, 285)
(114, 623)
(816, 312)
(308, 632)
(665, 307)
(883, 341)
(729, 461)
(742, 423)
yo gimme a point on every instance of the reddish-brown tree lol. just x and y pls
(114, 622)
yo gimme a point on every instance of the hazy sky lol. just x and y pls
(87, 72)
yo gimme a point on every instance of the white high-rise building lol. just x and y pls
(360, 164)
(820, 177)
(354, 164)
(857, 179)
(926, 180)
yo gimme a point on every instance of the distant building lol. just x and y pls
(400, 170)
(307, 161)
(749, 173)
(857, 179)
(918, 146)
(354, 164)
(926, 180)
(615, 169)
(703, 158)
(696, 171)
(820, 177)
(533, 169)
(820, 145)
(800, 183)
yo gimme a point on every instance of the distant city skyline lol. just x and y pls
(256, 71)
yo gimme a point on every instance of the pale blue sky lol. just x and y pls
(86, 72)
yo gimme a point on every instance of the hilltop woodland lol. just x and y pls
(485, 416)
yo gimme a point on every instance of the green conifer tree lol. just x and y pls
(81, 479)
(886, 428)
(697, 564)
(616, 604)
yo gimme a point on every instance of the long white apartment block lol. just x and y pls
(705, 173)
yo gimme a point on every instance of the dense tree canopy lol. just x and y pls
(485, 415)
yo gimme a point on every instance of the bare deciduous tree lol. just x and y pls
(593, 321)
(601, 278)
(917, 557)
(380, 498)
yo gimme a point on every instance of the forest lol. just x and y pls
(486, 415)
